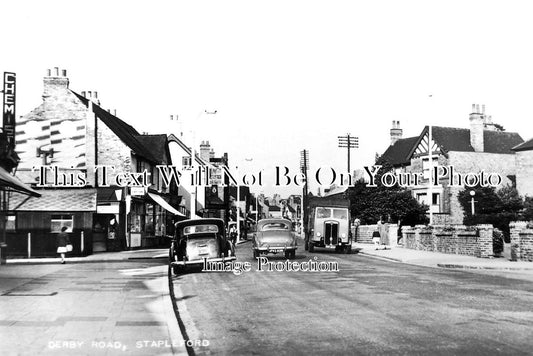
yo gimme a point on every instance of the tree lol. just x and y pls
(494, 207)
(392, 204)
(528, 209)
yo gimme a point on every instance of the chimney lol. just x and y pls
(54, 82)
(396, 132)
(204, 150)
(476, 129)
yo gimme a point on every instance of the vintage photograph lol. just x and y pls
(266, 178)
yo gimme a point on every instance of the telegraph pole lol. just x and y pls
(304, 167)
(348, 142)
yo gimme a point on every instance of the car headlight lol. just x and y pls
(343, 236)
(318, 234)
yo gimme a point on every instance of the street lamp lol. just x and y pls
(472, 202)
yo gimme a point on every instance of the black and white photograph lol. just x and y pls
(291, 177)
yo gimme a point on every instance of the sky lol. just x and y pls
(283, 75)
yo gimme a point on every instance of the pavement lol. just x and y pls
(88, 309)
(122, 256)
(443, 260)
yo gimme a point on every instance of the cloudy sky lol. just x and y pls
(283, 75)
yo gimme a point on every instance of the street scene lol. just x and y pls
(272, 178)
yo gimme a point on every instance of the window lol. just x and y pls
(425, 165)
(11, 223)
(186, 160)
(421, 197)
(436, 199)
(58, 221)
(341, 214)
(323, 213)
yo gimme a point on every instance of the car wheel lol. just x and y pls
(347, 249)
(175, 270)
(306, 244)
(293, 254)
(256, 253)
(311, 247)
(287, 254)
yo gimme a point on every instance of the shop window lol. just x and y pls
(137, 217)
(58, 221)
(11, 225)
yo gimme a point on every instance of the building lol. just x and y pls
(60, 143)
(482, 147)
(524, 168)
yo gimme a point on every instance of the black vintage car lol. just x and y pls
(197, 240)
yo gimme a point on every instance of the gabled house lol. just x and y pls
(484, 146)
(67, 136)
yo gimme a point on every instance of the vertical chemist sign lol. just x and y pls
(9, 107)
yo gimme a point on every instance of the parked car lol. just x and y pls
(274, 236)
(198, 239)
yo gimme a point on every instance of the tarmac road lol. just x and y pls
(369, 306)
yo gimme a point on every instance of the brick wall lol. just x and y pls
(458, 239)
(57, 124)
(112, 151)
(521, 241)
(388, 232)
(363, 233)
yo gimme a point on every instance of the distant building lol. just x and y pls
(484, 146)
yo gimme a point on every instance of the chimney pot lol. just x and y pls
(473, 108)
(114, 112)
(48, 72)
(90, 94)
(83, 94)
(171, 117)
(96, 95)
(64, 72)
(56, 71)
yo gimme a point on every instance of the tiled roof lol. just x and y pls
(524, 146)
(158, 146)
(398, 154)
(124, 131)
(56, 200)
(172, 138)
(452, 139)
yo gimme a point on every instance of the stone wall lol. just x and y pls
(521, 241)
(388, 233)
(457, 239)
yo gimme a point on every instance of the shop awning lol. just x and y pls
(7, 180)
(159, 200)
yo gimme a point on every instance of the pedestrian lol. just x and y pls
(62, 240)
(376, 238)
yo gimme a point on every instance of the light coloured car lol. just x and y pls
(274, 236)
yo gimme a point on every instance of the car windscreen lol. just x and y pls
(275, 226)
(196, 229)
(341, 214)
(323, 213)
